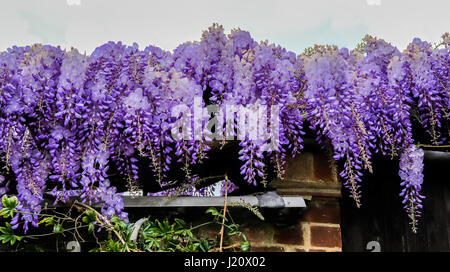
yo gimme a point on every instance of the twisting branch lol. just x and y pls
(419, 145)
(224, 214)
(105, 222)
(235, 245)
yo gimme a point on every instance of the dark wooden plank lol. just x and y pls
(436, 223)
(446, 193)
(351, 219)
(382, 217)
(394, 237)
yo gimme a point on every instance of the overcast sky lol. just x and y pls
(86, 24)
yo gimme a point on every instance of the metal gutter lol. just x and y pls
(266, 200)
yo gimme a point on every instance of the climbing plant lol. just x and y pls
(67, 118)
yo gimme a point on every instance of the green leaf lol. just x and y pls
(47, 221)
(152, 242)
(115, 219)
(91, 227)
(9, 206)
(188, 233)
(180, 222)
(5, 238)
(57, 228)
(213, 211)
(190, 248)
(113, 246)
(233, 226)
(165, 226)
(245, 245)
(8, 235)
(204, 245)
(90, 217)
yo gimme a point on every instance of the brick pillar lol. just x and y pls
(321, 226)
(312, 176)
(318, 229)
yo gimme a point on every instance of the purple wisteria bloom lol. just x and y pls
(411, 167)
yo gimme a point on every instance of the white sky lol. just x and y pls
(86, 24)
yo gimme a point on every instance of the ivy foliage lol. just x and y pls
(115, 234)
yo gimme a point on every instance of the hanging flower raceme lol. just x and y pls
(95, 111)
(12, 127)
(440, 65)
(428, 88)
(377, 94)
(336, 110)
(399, 77)
(63, 143)
(411, 167)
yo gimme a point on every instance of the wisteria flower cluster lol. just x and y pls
(411, 167)
(67, 118)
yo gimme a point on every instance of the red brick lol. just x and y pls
(267, 249)
(300, 168)
(333, 250)
(322, 169)
(323, 212)
(317, 250)
(261, 233)
(290, 235)
(326, 236)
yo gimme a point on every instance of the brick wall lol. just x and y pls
(317, 229)
(314, 229)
